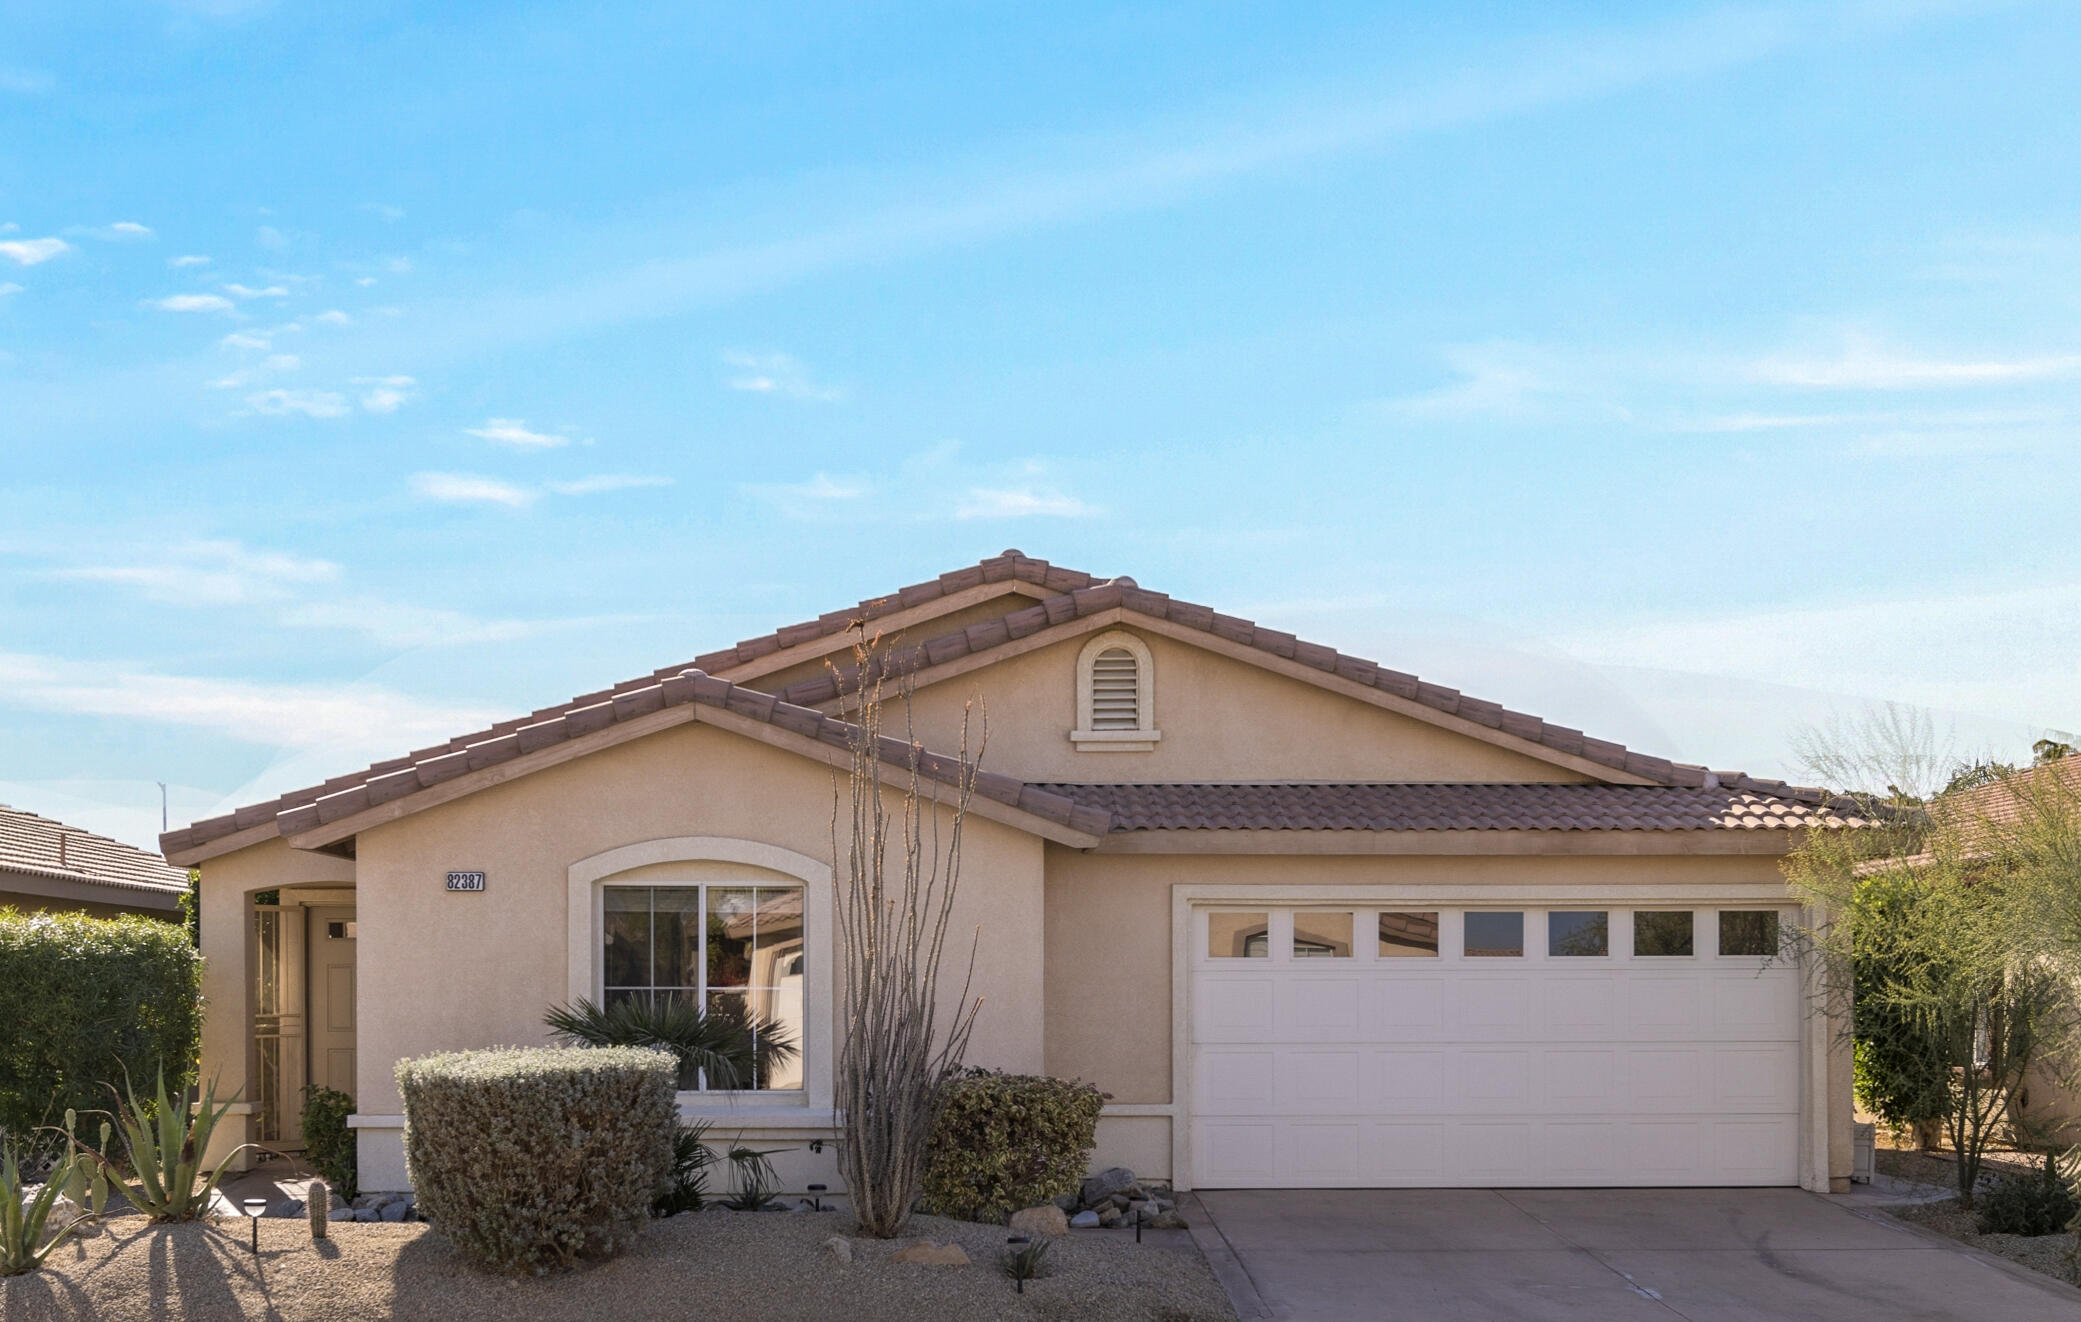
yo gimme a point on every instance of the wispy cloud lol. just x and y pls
(395, 624)
(384, 394)
(600, 483)
(7, 288)
(276, 715)
(29, 252)
(384, 211)
(469, 489)
(25, 82)
(807, 500)
(188, 259)
(192, 303)
(333, 317)
(248, 292)
(1020, 503)
(775, 374)
(246, 340)
(270, 238)
(1866, 365)
(123, 231)
(303, 403)
(210, 573)
(1499, 380)
(515, 432)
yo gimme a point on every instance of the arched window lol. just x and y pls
(1116, 696)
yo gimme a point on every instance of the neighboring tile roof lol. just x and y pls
(388, 781)
(1077, 594)
(1445, 807)
(2048, 787)
(38, 845)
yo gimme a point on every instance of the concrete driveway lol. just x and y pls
(1752, 1255)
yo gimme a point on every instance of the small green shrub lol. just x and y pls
(328, 1143)
(529, 1158)
(87, 1000)
(687, 1189)
(2035, 1204)
(1008, 1141)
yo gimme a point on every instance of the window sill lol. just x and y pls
(719, 1108)
(1115, 741)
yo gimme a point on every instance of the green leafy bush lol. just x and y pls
(2035, 1204)
(1008, 1141)
(529, 1158)
(88, 1001)
(328, 1143)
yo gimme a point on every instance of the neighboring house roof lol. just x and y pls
(1076, 595)
(40, 847)
(390, 782)
(2005, 802)
(1444, 807)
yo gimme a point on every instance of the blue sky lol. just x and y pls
(1689, 373)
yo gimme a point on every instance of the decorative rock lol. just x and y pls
(1097, 1188)
(1047, 1219)
(340, 1214)
(1110, 1217)
(366, 1214)
(1084, 1221)
(397, 1211)
(287, 1207)
(840, 1248)
(1169, 1221)
(929, 1254)
(1067, 1202)
(1118, 1200)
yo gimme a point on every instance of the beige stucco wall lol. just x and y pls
(1220, 719)
(439, 971)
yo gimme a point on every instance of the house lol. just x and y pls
(1308, 920)
(49, 866)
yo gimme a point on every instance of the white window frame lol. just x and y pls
(716, 861)
(1141, 739)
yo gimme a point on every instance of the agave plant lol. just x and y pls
(25, 1218)
(733, 1048)
(164, 1146)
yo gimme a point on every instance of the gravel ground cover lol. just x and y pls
(749, 1267)
(2050, 1254)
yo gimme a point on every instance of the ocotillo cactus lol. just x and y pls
(320, 1198)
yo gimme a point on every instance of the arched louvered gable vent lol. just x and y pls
(1115, 685)
(1116, 696)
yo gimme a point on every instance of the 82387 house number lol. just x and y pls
(466, 881)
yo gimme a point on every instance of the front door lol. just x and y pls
(331, 983)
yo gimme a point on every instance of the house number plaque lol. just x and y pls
(466, 881)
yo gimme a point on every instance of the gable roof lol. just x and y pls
(1400, 806)
(1065, 597)
(42, 847)
(693, 693)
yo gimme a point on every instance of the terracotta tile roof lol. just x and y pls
(45, 848)
(1444, 807)
(2051, 786)
(1124, 594)
(386, 781)
(1076, 594)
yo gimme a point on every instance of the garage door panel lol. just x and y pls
(1538, 1070)
(1316, 1009)
(1488, 1007)
(1409, 1008)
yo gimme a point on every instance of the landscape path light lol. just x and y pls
(254, 1207)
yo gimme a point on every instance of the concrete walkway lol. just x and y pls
(1707, 1255)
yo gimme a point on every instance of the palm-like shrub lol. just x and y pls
(733, 1048)
(25, 1218)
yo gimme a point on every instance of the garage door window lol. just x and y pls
(1748, 932)
(1659, 933)
(1494, 935)
(1322, 936)
(1409, 935)
(1577, 932)
(1239, 935)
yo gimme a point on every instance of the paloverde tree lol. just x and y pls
(1926, 925)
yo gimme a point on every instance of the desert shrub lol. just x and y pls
(529, 1158)
(328, 1143)
(89, 1002)
(686, 1188)
(2038, 1203)
(1008, 1141)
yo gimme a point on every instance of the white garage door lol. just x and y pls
(1366, 1047)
